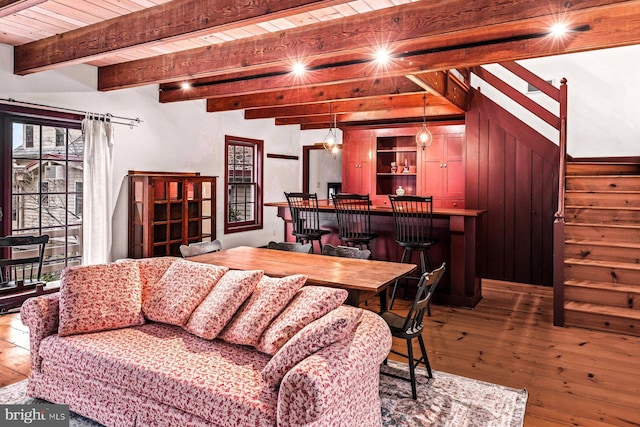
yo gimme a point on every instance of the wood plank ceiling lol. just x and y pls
(240, 54)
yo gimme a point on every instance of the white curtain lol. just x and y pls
(97, 191)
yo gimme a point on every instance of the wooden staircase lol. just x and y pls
(602, 247)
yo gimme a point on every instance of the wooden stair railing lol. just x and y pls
(558, 122)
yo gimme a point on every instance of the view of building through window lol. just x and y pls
(46, 190)
(244, 184)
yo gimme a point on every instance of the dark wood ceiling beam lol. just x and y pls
(369, 88)
(172, 21)
(8, 7)
(444, 84)
(316, 77)
(387, 103)
(387, 121)
(410, 26)
(410, 113)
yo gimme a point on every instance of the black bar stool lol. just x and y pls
(413, 222)
(305, 218)
(354, 219)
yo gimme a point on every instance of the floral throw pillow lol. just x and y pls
(332, 327)
(180, 290)
(267, 301)
(151, 271)
(309, 304)
(223, 301)
(100, 297)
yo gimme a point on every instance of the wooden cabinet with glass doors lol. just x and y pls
(167, 210)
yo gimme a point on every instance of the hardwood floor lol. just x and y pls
(574, 377)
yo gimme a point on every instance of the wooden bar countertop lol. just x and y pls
(324, 205)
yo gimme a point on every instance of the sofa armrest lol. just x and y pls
(338, 385)
(40, 315)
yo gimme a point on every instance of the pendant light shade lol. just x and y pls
(330, 141)
(424, 137)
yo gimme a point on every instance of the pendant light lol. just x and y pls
(424, 137)
(330, 141)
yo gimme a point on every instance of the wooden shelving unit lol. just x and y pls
(403, 151)
(167, 210)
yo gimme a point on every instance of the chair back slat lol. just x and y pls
(354, 215)
(305, 216)
(199, 248)
(290, 247)
(346, 252)
(426, 288)
(412, 218)
(20, 266)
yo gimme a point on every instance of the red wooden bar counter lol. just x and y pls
(460, 243)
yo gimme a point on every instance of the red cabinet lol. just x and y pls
(357, 155)
(438, 170)
(442, 171)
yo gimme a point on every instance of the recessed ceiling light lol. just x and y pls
(186, 85)
(298, 69)
(382, 56)
(559, 29)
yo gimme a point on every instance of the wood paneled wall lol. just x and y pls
(512, 171)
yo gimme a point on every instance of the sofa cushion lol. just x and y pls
(266, 302)
(334, 326)
(151, 271)
(98, 297)
(223, 301)
(215, 380)
(309, 304)
(180, 290)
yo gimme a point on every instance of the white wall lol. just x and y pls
(323, 167)
(603, 111)
(173, 137)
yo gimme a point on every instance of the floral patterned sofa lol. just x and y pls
(170, 342)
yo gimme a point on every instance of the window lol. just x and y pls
(61, 137)
(28, 136)
(243, 181)
(44, 196)
(44, 187)
(78, 204)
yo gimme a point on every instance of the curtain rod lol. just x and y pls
(129, 121)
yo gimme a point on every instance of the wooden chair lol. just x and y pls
(200, 248)
(354, 219)
(346, 252)
(305, 218)
(20, 269)
(410, 326)
(290, 247)
(413, 223)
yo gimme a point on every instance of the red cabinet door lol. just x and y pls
(356, 162)
(442, 172)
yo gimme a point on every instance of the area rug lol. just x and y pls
(446, 400)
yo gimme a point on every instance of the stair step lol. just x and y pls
(602, 168)
(601, 271)
(602, 215)
(603, 182)
(602, 251)
(604, 293)
(602, 232)
(603, 318)
(620, 199)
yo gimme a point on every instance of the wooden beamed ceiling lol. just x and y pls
(251, 69)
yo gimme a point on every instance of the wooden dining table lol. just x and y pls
(361, 278)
